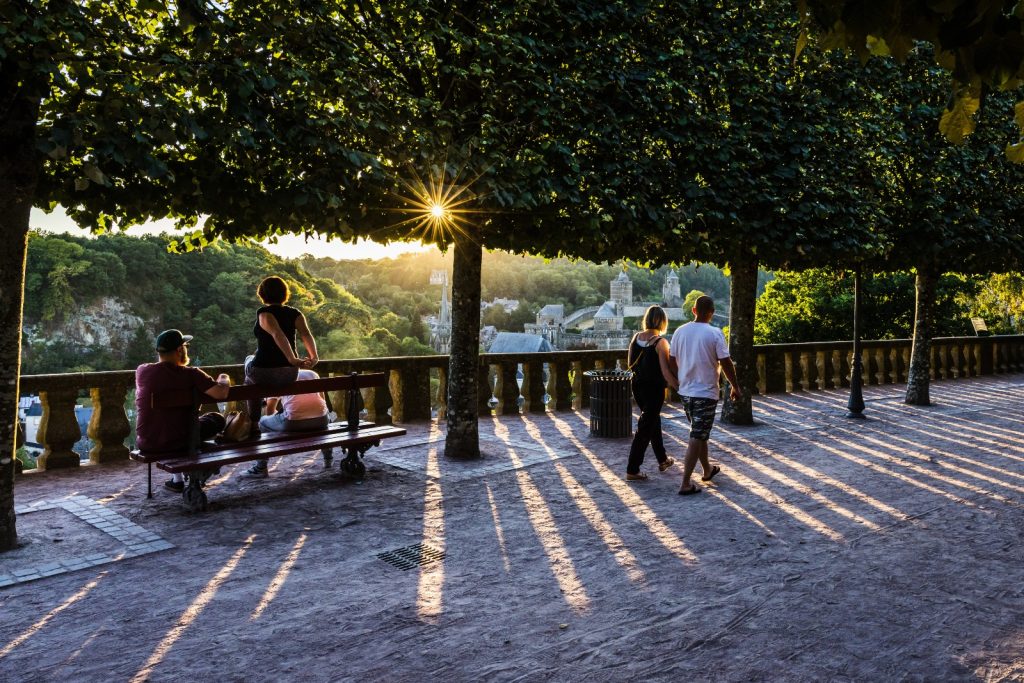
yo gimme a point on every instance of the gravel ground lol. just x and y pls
(887, 549)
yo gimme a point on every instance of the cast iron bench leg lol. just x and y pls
(149, 479)
(352, 465)
(193, 495)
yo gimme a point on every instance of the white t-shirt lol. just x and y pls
(697, 348)
(303, 406)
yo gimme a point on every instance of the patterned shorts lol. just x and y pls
(701, 414)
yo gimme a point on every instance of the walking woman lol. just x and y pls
(649, 360)
(275, 361)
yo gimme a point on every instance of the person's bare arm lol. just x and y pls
(307, 340)
(219, 391)
(667, 365)
(730, 374)
(269, 324)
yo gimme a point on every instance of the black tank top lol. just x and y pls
(647, 370)
(268, 355)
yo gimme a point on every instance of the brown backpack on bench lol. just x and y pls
(237, 426)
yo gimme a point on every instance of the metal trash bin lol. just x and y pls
(611, 403)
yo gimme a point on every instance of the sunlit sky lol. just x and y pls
(288, 246)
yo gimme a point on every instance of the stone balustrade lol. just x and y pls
(553, 381)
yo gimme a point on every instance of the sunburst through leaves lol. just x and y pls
(439, 208)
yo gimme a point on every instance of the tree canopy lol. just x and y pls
(980, 42)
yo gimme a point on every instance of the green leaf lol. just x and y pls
(1015, 153)
(957, 122)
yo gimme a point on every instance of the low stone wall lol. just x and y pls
(555, 381)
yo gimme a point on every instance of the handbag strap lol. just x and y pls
(656, 340)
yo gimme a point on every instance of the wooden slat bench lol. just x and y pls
(355, 437)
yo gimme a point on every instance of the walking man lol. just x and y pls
(698, 350)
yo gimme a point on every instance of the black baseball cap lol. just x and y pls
(168, 340)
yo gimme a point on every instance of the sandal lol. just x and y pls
(690, 491)
(668, 462)
(715, 469)
(639, 476)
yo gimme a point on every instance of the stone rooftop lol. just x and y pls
(888, 549)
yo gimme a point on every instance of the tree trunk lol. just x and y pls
(925, 284)
(19, 168)
(463, 438)
(743, 291)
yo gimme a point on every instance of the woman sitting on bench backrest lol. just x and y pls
(275, 361)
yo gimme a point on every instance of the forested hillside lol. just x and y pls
(97, 304)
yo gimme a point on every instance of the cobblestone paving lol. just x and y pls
(135, 539)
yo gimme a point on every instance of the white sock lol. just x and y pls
(178, 478)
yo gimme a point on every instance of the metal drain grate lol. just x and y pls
(411, 556)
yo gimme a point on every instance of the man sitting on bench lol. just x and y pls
(299, 413)
(160, 430)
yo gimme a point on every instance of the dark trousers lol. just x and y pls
(648, 428)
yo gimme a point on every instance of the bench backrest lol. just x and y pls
(179, 398)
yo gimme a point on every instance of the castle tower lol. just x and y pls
(670, 292)
(621, 291)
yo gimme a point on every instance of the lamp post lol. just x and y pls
(855, 406)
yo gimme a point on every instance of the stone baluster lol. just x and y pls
(895, 370)
(533, 387)
(560, 384)
(956, 360)
(1010, 352)
(378, 402)
(805, 367)
(581, 383)
(821, 373)
(934, 372)
(840, 376)
(508, 388)
(774, 371)
(986, 356)
(109, 426)
(761, 380)
(881, 366)
(442, 393)
(58, 429)
(791, 385)
(410, 393)
(485, 389)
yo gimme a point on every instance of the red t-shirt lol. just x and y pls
(164, 429)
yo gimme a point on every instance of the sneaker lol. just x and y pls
(639, 476)
(257, 471)
(662, 466)
(176, 486)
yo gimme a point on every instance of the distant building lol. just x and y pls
(508, 304)
(487, 335)
(670, 293)
(609, 317)
(622, 291)
(519, 342)
(552, 314)
(441, 327)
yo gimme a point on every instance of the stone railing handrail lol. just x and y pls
(509, 383)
